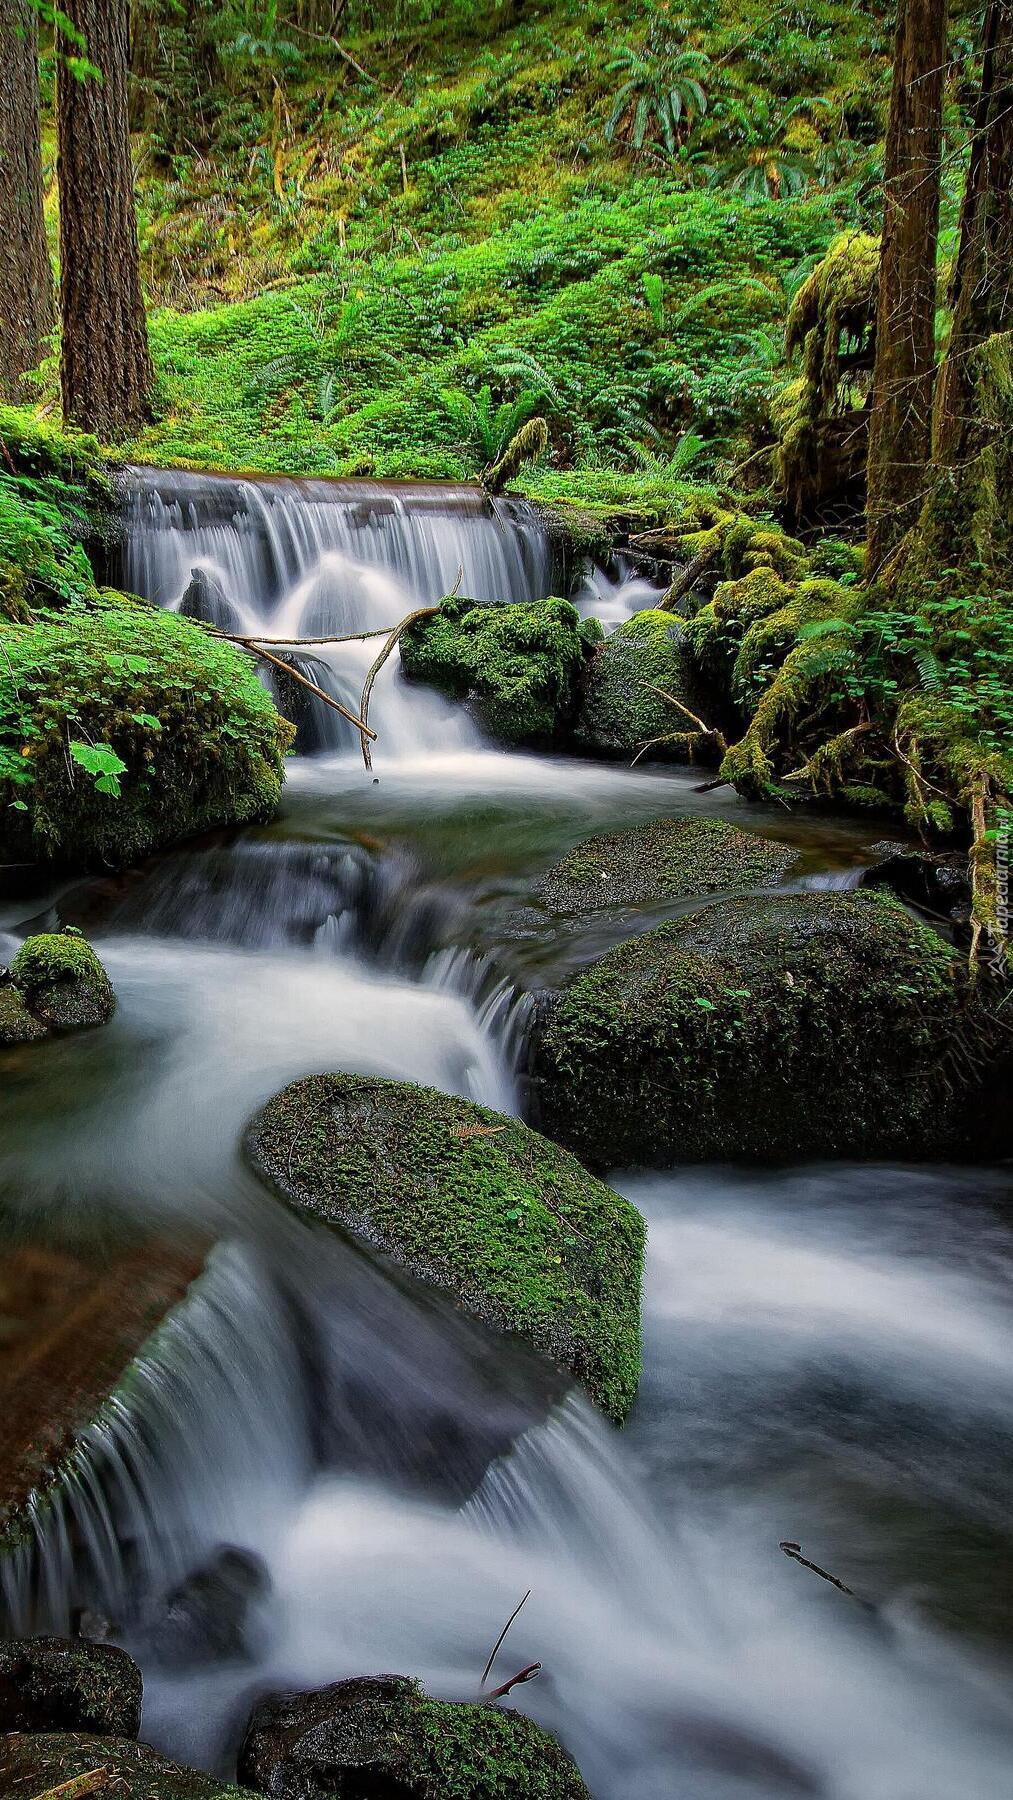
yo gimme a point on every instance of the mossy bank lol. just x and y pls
(476, 1204)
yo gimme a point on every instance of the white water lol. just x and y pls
(826, 1352)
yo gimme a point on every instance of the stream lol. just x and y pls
(827, 1350)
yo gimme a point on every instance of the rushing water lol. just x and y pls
(826, 1351)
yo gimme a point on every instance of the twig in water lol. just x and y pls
(527, 1674)
(279, 663)
(487, 1671)
(795, 1552)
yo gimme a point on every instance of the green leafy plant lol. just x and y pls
(660, 95)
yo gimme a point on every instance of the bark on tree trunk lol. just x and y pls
(900, 439)
(106, 368)
(26, 280)
(982, 291)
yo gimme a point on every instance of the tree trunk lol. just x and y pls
(982, 291)
(26, 280)
(900, 439)
(106, 369)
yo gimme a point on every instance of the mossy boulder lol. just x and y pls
(68, 1684)
(476, 1204)
(17, 1024)
(62, 982)
(31, 1765)
(518, 667)
(621, 710)
(382, 1738)
(123, 729)
(767, 1028)
(668, 859)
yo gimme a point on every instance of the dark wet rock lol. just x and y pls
(765, 1028)
(62, 982)
(210, 1617)
(67, 1684)
(381, 1738)
(621, 710)
(30, 1766)
(519, 667)
(938, 880)
(668, 859)
(206, 599)
(475, 1204)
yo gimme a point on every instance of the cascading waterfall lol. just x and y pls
(292, 560)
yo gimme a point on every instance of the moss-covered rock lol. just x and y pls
(381, 1738)
(667, 859)
(31, 1765)
(518, 667)
(62, 982)
(17, 1025)
(621, 711)
(476, 1204)
(122, 729)
(68, 1684)
(763, 1028)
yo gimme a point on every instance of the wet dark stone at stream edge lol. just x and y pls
(381, 1737)
(67, 1684)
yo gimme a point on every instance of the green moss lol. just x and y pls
(664, 860)
(17, 1025)
(475, 1203)
(189, 734)
(518, 666)
(390, 1738)
(620, 712)
(62, 982)
(767, 1028)
(31, 1765)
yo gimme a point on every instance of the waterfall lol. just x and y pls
(303, 559)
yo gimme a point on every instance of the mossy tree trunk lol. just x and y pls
(26, 281)
(106, 368)
(982, 292)
(901, 420)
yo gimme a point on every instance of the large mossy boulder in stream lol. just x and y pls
(768, 1027)
(123, 729)
(31, 1766)
(476, 1204)
(622, 707)
(61, 983)
(667, 859)
(68, 1684)
(519, 668)
(381, 1737)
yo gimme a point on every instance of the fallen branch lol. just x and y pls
(527, 1674)
(487, 1671)
(702, 730)
(421, 612)
(688, 578)
(795, 1552)
(303, 681)
(297, 643)
(78, 1786)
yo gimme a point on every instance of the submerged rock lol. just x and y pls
(380, 1737)
(474, 1203)
(621, 711)
(208, 1617)
(765, 1028)
(68, 1684)
(31, 1765)
(519, 667)
(62, 982)
(665, 860)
